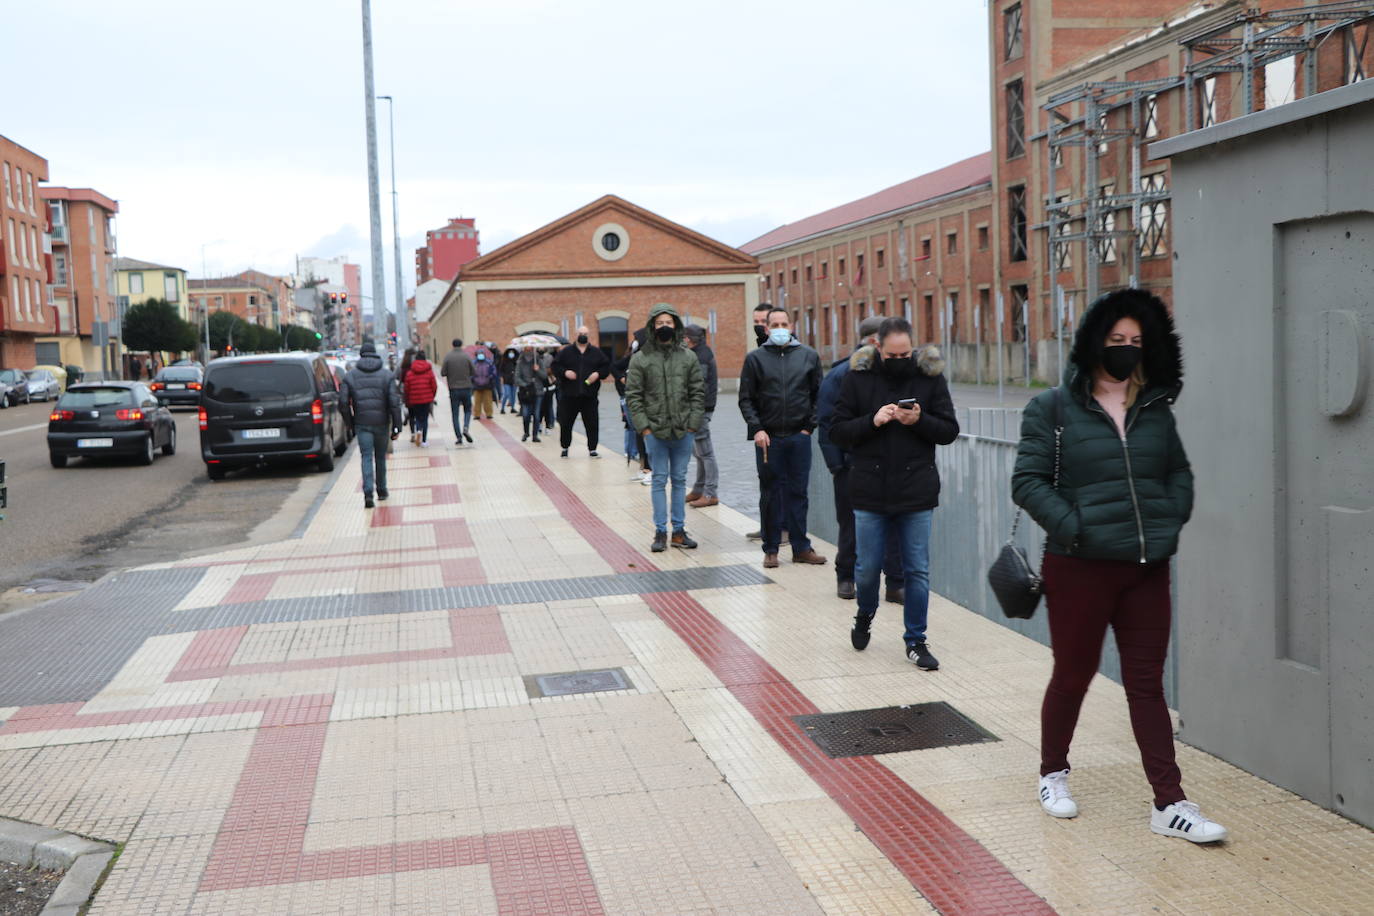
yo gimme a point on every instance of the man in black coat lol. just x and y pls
(894, 409)
(579, 368)
(777, 397)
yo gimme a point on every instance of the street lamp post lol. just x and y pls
(402, 318)
(373, 197)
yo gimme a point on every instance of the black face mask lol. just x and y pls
(760, 333)
(1120, 362)
(899, 367)
(664, 334)
(581, 338)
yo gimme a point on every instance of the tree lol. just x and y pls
(222, 324)
(299, 338)
(155, 326)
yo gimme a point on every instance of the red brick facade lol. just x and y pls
(25, 255)
(447, 249)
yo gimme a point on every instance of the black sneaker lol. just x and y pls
(918, 653)
(467, 435)
(681, 539)
(563, 454)
(660, 542)
(536, 437)
(845, 589)
(525, 437)
(593, 454)
(382, 494)
(859, 634)
(367, 501)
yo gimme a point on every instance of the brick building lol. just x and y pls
(241, 294)
(447, 249)
(604, 266)
(25, 268)
(920, 249)
(84, 329)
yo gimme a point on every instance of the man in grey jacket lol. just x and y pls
(374, 402)
(457, 368)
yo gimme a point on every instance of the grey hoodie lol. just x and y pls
(370, 391)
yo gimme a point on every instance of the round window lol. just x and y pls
(610, 241)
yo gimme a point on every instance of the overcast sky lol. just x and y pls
(239, 126)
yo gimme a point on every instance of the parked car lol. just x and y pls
(59, 372)
(109, 418)
(43, 385)
(178, 386)
(14, 387)
(277, 407)
(189, 362)
(338, 371)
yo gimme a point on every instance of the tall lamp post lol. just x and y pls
(402, 318)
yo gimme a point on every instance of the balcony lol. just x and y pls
(59, 235)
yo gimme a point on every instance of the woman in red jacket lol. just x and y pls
(420, 389)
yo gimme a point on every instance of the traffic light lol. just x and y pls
(319, 336)
(343, 297)
(333, 298)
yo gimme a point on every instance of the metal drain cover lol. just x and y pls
(863, 732)
(570, 682)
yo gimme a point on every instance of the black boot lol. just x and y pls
(859, 635)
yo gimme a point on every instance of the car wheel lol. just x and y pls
(58, 461)
(148, 453)
(326, 460)
(171, 447)
(215, 471)
(341, 447)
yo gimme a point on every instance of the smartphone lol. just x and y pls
(906, 403)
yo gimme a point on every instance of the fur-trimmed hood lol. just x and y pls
(928, 360)
(1161, 350)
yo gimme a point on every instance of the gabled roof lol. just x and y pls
(488, 265)
(970, 173)
(135, 264)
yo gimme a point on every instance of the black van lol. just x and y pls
(257, 410)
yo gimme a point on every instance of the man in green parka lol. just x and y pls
(665, 397)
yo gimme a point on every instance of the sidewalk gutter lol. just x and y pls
(83, 860)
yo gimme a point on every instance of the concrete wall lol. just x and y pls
(1274, 295)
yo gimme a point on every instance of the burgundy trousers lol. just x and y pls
(1084, 597)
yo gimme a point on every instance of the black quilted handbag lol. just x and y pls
(1018, 587)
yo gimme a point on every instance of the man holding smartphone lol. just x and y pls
(894, 409)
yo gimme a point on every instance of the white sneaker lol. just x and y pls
(1183, 819)
(1055, 797)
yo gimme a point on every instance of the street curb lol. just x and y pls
(83, 860)
(320, 497)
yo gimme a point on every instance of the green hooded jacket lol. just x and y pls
(664, 388)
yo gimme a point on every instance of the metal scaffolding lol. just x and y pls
(1265, 36)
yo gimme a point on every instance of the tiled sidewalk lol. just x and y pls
(350, 722)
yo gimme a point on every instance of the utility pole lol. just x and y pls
(402, 318)
(374, 201)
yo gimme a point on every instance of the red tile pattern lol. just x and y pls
(946, 865)
(455, 572)
(475, 631)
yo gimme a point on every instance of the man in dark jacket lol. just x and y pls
(894, 408)
(837, 460)
(777, 397)
(370, 391)
(705, 491)
(457, 368)
(579, 368)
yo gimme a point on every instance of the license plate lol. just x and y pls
(172, 386)
(94, 443)
(270, 433)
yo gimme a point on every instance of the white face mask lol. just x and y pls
(779, 337)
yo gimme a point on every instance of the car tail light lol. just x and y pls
(317, 411)
(157, 386)
(129, 413)
(204, 424)
(194, 386)
(61, 415)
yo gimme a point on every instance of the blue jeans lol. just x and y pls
(372, 444)
(783, 480)
(669, 456)
(460, 398)
(912, 529)
(532, 410)
(507, 395)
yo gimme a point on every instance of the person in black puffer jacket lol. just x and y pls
(370, 391)
(1125, 491)
(894, 409)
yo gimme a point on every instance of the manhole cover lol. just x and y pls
(570, 682)
(863, 732)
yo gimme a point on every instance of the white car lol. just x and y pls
(43, 385)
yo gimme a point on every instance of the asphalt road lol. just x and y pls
(98, 515)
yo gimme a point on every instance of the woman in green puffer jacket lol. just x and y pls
(1125, 491)
(665, 398)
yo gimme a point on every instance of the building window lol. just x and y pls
(28, 192)
(1106, 224)
(135, 284)
(925, 249)
(952, 243)
(9, 194)
(610, 241)
(767, 282)
(1151, 116)
(1011, 32)
(825, 269)
(59, 269)
(780, 279)
(1016, 217)
(1208, 92)
(171, 290)
(841, 267)
(1016, 119)
(794, 276)
(982, 238)
(808, 273)
(1355, 53)
(984, 311)
(1280, 82)
(952, 301)
(1102, 128)
(878, 255)
(1062, 252)
(1019, 297)
(1154, 218)
(928, 301)
(906, 309)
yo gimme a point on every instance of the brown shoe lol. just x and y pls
(703, 502)
(809, 557)
(693, 496)
(770, 561)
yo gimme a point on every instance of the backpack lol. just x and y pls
(483, 373)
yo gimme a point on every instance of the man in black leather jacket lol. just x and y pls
(777, 397)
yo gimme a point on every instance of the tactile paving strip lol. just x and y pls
(890, 729)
